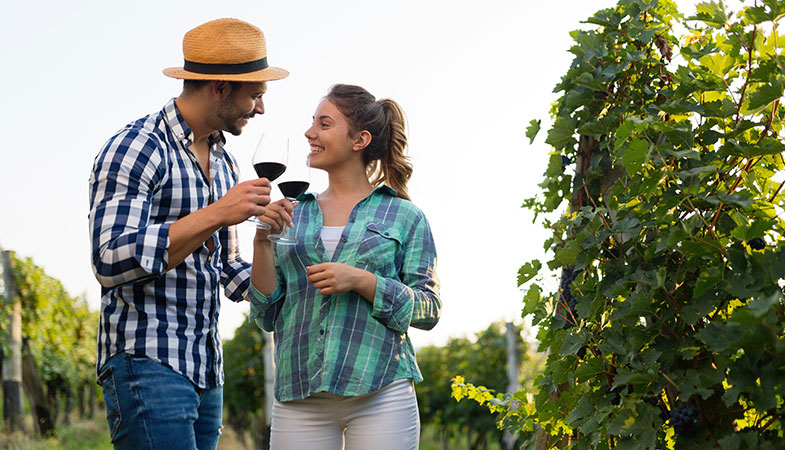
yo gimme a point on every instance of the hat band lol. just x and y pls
(225, 69)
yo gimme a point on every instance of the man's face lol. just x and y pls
(242, 103)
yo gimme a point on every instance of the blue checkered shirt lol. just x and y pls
(143, 180)
(342, 343)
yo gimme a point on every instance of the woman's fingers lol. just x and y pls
(277, 217)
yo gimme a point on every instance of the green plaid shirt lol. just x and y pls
(341, 343)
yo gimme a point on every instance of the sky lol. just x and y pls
(469, 75)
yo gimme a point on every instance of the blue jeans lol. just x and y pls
(149, 406)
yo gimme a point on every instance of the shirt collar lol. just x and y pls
(381, 189)
(182, 131)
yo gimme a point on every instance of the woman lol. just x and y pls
(341, 301)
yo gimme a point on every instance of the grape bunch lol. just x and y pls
(565, 161)
(685, 417)
(757, 243)
(567, 277)
(763, 435)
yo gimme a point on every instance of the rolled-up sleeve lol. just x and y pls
(414, 299)
(236, 272)
(126, 246)
(265, 309)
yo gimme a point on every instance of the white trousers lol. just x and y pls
(387, 419)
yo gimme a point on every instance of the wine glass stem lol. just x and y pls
(285, 228)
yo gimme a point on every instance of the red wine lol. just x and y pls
(293, 189)
(269, 170)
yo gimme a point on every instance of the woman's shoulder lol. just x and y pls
(402, 210)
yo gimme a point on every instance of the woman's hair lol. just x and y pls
(385, 157)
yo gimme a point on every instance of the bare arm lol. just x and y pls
(263, 275)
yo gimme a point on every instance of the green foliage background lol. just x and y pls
(60, 330)
(665, 153)
(482, 358)
(244, 394)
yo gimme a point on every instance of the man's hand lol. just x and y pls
(244, 200)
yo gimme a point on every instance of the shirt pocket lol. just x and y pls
(379, 247)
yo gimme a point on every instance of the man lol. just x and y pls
(164, 202)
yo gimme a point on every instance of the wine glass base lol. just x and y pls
(283, 240)
(258, 223)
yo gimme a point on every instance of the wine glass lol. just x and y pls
(269, 161)
(293, 184)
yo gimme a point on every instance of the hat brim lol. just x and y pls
(268, 74)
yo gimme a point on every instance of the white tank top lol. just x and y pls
(330, 237)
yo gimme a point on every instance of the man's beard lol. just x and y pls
(230, 115)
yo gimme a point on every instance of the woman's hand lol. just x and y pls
(338, 278)
(277, 214)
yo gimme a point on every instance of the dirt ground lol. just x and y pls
(230, 440)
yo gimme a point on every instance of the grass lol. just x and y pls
(81, 434)
(430, 440)
(93, 434)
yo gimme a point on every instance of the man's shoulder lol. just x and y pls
(144, 135)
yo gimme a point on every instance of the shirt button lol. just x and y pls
(321, 332)
(343, 239)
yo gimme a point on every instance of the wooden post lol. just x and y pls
(513, 376)
(12, 360)
(35, 394)
(269, 383)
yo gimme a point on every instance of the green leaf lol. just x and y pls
(761, 305)
(719, 108)
(765, 95)
(718, 63)
(588, 369)
(532, 300)
(605, 18)
(567, 255)
(624, 131)
(532, 130)
(706, 280)
(760, 14)
(769, 146)
(561, 133)
(635, 155)
(605, 125)
(700, 172)
(711, 13)
(720, 337)
(528, 271)
(680, 136)
(588, 81)
(572, 343)
(739, 200)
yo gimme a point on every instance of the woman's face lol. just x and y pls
(330, 139)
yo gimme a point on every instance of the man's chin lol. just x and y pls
(234, 130)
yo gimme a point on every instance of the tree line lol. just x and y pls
(51, 358)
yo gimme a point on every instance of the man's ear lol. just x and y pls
(220, 88)
(362, 140)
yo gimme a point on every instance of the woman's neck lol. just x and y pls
(348, 184)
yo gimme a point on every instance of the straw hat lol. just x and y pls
(228, 50)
